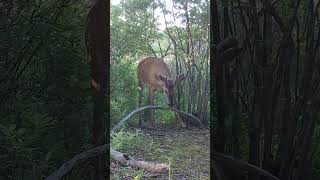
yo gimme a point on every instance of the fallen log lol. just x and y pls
(98, 151)
(118, 156)
(147, 166)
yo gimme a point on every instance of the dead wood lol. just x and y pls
(152, 175)
(147, 166)
(197, 132)
(98, 151)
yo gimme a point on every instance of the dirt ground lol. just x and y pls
(186, 150)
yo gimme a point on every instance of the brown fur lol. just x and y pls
(150, 66)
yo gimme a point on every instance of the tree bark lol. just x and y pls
(266, 107)
(97, 34)
(219, 132)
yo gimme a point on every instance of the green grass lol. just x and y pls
(187, 154)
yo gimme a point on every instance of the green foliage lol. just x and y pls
(123, 89)
(44, 79)
(124, 141)
(27, 143)
(165, 117)
(138, 175)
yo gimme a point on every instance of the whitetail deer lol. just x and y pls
(155, 73)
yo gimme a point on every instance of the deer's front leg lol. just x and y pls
(140, 86)
(151, 103)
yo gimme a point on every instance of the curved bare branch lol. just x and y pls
(122, 121)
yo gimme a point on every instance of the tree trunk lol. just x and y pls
(97, 34)
(267, 87)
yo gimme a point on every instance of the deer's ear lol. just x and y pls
(156, 77)
(180, 78)
(164, 79)
(160, 78)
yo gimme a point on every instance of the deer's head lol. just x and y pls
(168, 86)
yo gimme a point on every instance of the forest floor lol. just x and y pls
(187, 151)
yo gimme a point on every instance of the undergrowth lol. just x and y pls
(133, 142)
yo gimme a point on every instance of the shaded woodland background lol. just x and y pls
(267, 100)
(46, 100)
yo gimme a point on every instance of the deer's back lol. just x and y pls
(149, 67)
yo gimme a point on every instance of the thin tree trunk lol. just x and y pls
(219, 133)
(267, 87)
(254, 117)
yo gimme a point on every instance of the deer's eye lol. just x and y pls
(166, 91)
